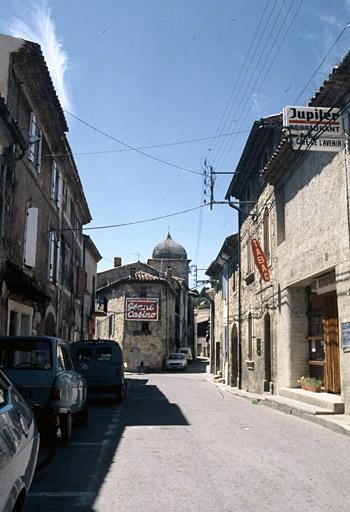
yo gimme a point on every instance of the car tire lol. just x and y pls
(82, 416)
(66, 427)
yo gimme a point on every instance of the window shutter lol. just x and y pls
(32, 132)
(53, 179)
(31, 237)
(59, 190)
(52, 248)
(39, 150)
(58, 260)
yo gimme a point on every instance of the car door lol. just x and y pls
(77, 384)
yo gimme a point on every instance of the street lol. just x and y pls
(178, 442)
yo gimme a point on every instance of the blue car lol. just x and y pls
(42, 369)
(101, 362)
(19, 444)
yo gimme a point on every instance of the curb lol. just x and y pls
(329, 421)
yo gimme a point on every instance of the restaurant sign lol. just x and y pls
(260, 260)
(141, 309)
(314, 128)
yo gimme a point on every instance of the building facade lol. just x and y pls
(42, 204)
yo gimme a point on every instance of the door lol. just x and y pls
(234, 356)
(331, 345)
(267, 352)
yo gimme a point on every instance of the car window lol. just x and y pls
(60, 359)
(25, 354)
(84, 355)
(3, 391)
(103, 354)
(67, 358)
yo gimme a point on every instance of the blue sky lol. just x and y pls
(151, 72)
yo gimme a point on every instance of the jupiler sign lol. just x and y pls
(314, 128)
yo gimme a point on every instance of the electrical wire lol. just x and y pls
(131, 147)
(143, 221)
(323, 60)
(155, 146)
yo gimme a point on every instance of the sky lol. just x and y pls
(161, 72)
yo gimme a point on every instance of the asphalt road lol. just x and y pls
(179, 443)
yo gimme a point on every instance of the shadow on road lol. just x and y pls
(73, 480)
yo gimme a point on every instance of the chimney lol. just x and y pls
(117, 262)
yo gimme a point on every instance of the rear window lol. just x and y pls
(103, 354)
(83, 355)
(25, 355)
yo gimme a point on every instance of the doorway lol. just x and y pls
(267, 352)
(234, 356)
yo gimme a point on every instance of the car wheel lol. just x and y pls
(66, 427)
(82, 416)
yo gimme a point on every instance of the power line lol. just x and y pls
(324, 58)
(166, 144)
(131, 147)
(143, 221)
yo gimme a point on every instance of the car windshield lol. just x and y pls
(25, 355)
(176, 356)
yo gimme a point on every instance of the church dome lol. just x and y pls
(169, 249)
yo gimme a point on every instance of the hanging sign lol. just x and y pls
(141, 309)
(260, 260)
(314, 128)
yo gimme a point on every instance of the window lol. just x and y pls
(31, 237)
(19, 320)
(249, 257)
(144, 327)
(4, 386)
(60, 360)
(111, 325)
(35, 142)
(56, 185)
(143, 292)
(103, 354)
(266, 233)
(54, 256)
(250, 337)
(68, 364)
(280, 212)
(25, 355)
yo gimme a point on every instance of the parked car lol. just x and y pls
(19, 444)
(188, 353)
(101, 363)
(42, 369)
(176, 361)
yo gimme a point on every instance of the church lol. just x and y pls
(147, 307)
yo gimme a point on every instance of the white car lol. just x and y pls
(19, 444)
(176, 361)
(188, 353)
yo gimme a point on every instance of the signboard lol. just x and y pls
(314, 128)
(141, 309)
(345, 336)
(260, 260)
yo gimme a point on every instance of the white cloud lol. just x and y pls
(40, 28)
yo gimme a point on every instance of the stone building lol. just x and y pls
(42, 203)
(91, 257)
(297, 322)
(223, 272)
(159, 286)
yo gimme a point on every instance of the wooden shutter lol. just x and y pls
(332, 359)
(52, 255)
(31, 237)
(39, 146)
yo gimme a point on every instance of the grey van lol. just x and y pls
(101, 363)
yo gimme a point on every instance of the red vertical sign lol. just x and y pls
(260, 260)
